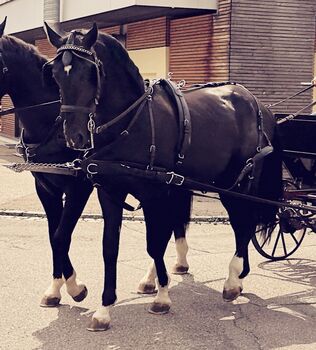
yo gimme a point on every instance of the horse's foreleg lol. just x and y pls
(75, 201)
(159, 230)
(112, 211)
(53, 207)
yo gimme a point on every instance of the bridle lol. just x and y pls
(79, 52)
(66, 51)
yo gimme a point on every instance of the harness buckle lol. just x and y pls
(175, 179)
(124, 133)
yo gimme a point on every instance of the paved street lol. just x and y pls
(277, 309)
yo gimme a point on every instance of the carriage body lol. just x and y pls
(297, 142)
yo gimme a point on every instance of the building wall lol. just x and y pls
(272, 48)
(264, 45)
(7, 122)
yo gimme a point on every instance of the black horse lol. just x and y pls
(224, 138)
(63, 197)
(43, 141)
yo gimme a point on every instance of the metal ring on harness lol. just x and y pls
(90, 171)
(76, 164)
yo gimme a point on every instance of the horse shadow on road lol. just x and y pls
(199, 319)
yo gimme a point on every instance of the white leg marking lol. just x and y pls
(182, 250)
(235, 268)
(162, 296)
(53, 291)
(102, 314)
(73, 285)
(149, 279)
(100, 319)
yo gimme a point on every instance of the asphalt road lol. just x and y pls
(276, 311)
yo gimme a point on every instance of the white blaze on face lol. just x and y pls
(235, 269)
(67, 69)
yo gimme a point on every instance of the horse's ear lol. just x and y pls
(91, 37)
(47, 74)
(54, 38)
(2, 26)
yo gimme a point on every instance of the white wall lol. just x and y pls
(22, 15)
(28, 14)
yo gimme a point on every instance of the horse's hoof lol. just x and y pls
(98, 326)
(50, 301)
(82, 295)
(231, 294)
(180, 269)
(146, 289)
(159, 308)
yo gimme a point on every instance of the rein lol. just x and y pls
(22, 109)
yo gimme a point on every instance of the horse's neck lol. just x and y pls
(118, 95)
(25, 88)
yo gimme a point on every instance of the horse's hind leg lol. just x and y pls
(181, 202)
(158, 233)
(242, 221)
(181, 266)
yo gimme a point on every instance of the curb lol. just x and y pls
(30, 214)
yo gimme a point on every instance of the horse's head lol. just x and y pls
(78, 73)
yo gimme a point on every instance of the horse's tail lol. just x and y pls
(270, 186)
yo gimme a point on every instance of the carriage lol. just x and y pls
(136, 138)
(297, 137)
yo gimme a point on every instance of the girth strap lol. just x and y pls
(184, 119)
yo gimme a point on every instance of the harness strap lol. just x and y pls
(105, 126)
(184, 119)
(171, 178)
(73, 108)
(30, 150)
(152, 149)
(22, 109)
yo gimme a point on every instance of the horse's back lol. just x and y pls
(225, 123)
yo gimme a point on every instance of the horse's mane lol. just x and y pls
(16, 47)
(119, 53)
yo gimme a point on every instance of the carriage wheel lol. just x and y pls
(284, 237)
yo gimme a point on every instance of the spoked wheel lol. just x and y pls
(283, 238)
(278, 243)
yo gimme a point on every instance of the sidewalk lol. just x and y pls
(18, 197)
